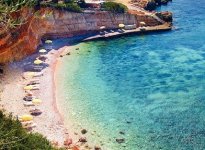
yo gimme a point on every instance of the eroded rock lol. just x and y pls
(83, 139)
(68, 142)
(120, 140)
(84, 131)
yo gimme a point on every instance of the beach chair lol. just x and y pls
(35, 112)
(27, 104)
(28, 98)
(38, 74)
(29, 126)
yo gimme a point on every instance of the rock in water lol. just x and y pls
(166, 16)
(97, 148)
(84, 131)
(121, 140)
(68, 142)
(83, 139)
(121, 132)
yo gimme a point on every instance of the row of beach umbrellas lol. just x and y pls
(121, 25)
(26, 119)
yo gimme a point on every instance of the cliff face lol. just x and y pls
(54, 23)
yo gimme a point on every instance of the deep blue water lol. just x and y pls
(151, 87)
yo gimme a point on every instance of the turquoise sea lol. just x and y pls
(147, 89)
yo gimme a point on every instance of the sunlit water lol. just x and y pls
(150, 87)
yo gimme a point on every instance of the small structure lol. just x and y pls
(121, 25)
(130, 27)
(94, 3)
(142, 24)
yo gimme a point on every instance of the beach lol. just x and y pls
(50, 122)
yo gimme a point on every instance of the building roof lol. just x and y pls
(94, 1)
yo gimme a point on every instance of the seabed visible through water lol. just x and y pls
(148, 90)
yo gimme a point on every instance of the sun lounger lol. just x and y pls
(34, 80)
(33, 83)
(28, 98)
(29, 126)
(38, 74)
(28, 104)
(35, 88)
(28, 92)
(35, 112)
(26, 123)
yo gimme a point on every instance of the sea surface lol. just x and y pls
(148, 90)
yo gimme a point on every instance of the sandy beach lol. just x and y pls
(50, 122)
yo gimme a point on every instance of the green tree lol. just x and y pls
(114, 7)
(55, 1)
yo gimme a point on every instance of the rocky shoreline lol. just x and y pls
(49, 23)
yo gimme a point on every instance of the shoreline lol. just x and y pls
(51, 122)
(137, 31)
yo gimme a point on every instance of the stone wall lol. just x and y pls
(54, 23)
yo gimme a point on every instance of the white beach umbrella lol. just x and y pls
(142, 23)
(102, 27)
(48, 42)
(42, 51)
(121, 25)
(38, 62)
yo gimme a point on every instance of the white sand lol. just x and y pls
(49, 123)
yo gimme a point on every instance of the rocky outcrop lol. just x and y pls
(149, 4)
(166, 16)
(50, 23)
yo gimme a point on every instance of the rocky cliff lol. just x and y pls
(23, 41)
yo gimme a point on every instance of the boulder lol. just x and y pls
(75, 148)
(166, 16)
(121, 132)
(68, 142)
(120, 140)
(97, 148)
(83, 139)
(84, 131)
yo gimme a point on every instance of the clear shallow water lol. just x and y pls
(151, 87)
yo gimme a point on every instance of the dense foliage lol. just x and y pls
(114, 7)
(7, 8)
(69, 6)
(13, 136)
(10, 7)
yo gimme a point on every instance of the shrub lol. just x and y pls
(13, 136)
(114, 7)
(7, 10)
(73, 7)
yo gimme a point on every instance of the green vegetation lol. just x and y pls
(69, 6)
(14, 137)
(7, 10)
(114, 7)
